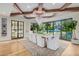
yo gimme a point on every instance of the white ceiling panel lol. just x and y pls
(27, 6)
(5, 8)
(15, 9)
(74, 5)
(53, 5)
(31, 6)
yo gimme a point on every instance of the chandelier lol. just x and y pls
(40, 10)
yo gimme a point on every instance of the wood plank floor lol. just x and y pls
(15, 48)
(71, 50)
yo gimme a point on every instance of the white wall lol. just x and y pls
(5, 8)
(8, 37)
(61, 15)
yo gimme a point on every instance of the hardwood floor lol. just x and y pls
(15, 48)
(71, 50)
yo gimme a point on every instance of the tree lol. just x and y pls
(69, 26)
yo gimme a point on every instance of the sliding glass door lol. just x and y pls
(17, 29)
(62, 27)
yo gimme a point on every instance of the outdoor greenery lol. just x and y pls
(42, 27)
(66, 26)
(49, 26)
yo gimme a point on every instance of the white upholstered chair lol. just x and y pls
(32, 37)
(53, 42)
(40, 41)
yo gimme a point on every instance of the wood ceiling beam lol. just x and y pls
(65, 6)
(49, 16)
(70, 9)
(29, 17)
(22, 13)
(15, 4)
(18, 13)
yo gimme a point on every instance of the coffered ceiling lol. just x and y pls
(50, 9)
(27, 9)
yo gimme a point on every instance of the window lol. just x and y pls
(17, 28)
(63, 27)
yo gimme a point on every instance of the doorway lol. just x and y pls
(17, 29)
